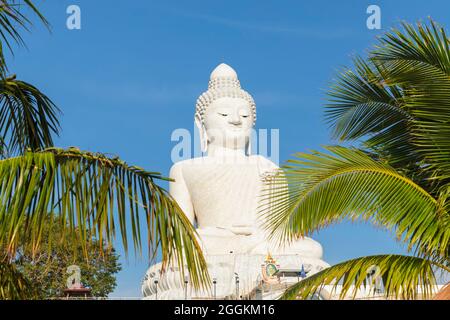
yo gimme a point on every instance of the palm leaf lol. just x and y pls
(356, 93)
(348, 184)
(12, 20)
(28, 118)
(397, 101)
(361, 105)
(418, 60)
(92, 192)
(404, 277)
(426, 45)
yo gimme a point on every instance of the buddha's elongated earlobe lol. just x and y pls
(252, 142)
(203, 136)
(248, 147)
(204, 139)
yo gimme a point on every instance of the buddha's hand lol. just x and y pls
(242, 229)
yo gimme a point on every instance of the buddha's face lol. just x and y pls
(228, 122)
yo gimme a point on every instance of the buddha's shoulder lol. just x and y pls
(264, 163)
(181, 165)
(190, 162)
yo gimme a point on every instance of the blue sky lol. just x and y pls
(131, 76)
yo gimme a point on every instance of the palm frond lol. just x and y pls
(423, 45)
(93, 192)
(397, 276)
(12, 20)
(348, 184)
(418, 60)
(28, 118)
(361, 105)
(396, 102)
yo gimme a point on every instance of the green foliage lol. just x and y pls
(92, 192)
(47, 270)
(396, 103)
(13, 284)
(28, 118)
(401, 275)
(12, 20)
(92, 195)
(348, 184)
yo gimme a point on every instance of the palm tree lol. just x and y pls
(87, 191)
(396, 103)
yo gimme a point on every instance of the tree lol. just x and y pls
(48, 270)
(91, 194)
(396, 103)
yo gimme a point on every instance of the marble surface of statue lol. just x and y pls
(220, 194)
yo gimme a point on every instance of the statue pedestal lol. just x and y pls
(234, 276)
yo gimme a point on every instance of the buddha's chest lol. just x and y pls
(223, 180)
(226, 188)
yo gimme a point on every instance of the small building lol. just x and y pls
(77, 291)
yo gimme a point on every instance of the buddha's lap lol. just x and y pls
(223, 241)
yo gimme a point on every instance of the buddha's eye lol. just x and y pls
(244, 116)
(223, 114)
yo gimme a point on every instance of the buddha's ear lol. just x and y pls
(203, 136)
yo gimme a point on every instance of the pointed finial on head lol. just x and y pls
(222, 77)
(223, 71)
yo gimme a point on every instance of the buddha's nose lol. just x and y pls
(235, 119)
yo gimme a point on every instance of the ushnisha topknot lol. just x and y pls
(223, 83)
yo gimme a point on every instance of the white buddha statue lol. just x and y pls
(220, 192)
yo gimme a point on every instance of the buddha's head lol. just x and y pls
(225, 114)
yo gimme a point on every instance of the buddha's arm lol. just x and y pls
(179, 191)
